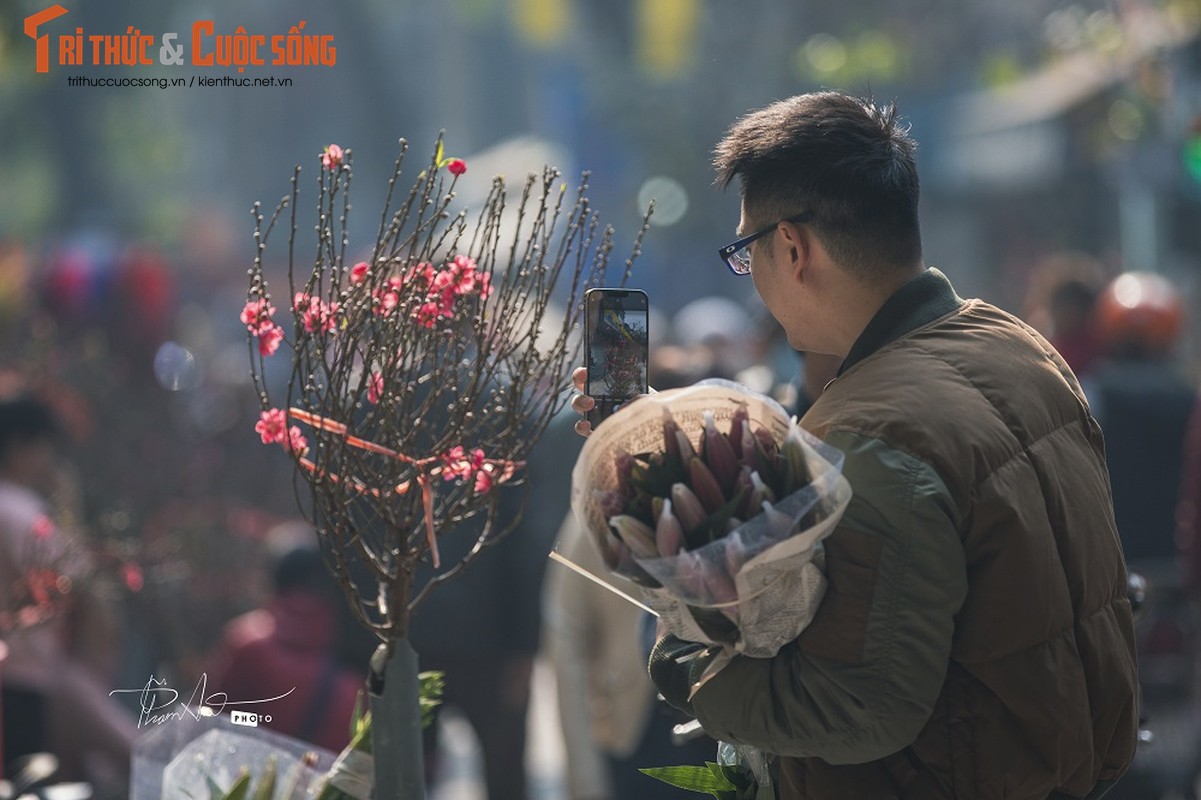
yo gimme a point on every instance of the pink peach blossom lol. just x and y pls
(256, 314)
(318, 315)
(296, 443)
(423, 272)
(358, 273)
(427, 314)
(375, 388)
(484, 283)
(445, 279)
(269, 340)
(456, 166)
(446, 302)
(272, 426)
(385, 302)
(455, 464)
(331, 159)
(483, 481)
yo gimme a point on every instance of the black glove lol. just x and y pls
(676, 664)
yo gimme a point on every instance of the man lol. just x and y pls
(975, 640)
(50, 698)
(289, 649)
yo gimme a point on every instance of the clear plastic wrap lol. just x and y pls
(756, 587)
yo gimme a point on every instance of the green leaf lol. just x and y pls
(737, 775)
(692, 778)
(240, 788)
(356, 716)
(714, 525)
(438, 154)
(266, 788)
(655, 477)
(430, 687)
(215, 792)
(640, 507)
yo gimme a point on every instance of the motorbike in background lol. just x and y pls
(1167, 764)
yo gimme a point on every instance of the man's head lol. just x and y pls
(836, 177)
(29, 433)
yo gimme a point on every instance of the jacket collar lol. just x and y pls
(918, 302)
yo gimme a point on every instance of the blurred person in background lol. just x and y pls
(1139, 394)
(483, 630)
(44, 570)
(1060, 304)
(293, 647)
(719, 327)
(611, 722)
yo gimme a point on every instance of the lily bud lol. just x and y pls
(611, 550)
(705, 485)
(750, 453)
(735, 555)
(620, 561)
(743, 488)
(797, 473)
(687, 507)
(740, 418)
(686, 449)
(766, 441)
(779, 523)
(669, 534)
(760, 492)
(671, 445)
(721, 588)
(719, 455)
(636, 534)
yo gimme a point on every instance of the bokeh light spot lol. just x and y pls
(176, 368)
(671, 200)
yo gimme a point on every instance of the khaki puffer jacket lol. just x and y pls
(975, 641)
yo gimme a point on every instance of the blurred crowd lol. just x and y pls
(145, 535)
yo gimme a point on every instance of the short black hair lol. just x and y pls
(302, 568)
(25, 419)
(848, 161)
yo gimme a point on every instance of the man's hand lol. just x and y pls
(582, 403)
(674, 665)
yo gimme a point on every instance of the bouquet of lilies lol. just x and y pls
(715, 503)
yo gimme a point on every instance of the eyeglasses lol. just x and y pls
(737, 254)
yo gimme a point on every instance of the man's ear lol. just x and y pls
(798, 247)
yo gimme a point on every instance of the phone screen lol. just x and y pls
(616, 339)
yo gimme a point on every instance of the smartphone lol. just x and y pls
(615, 339)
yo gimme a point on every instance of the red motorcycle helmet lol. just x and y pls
(1139, 312)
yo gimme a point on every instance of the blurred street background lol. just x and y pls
(1060, 146)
